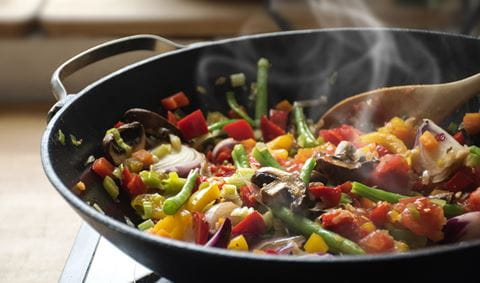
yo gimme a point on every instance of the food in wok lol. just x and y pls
(274, 183)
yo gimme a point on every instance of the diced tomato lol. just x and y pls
(336, 135)
(344, 223)
(377, 242)
(379, 215)
(201, 228)
(247, 195)
(102, 167)
(193, 125)
(136, 186)
(461, 180)
(330, 196)
(224, 155)
(422, 217)
(345, 187)
(392, 173)
(279, 118)
(175, 101)
(119, 124)
(239, 130)
(222, 170)
(144, 156)
(459, 137)
(172, 118)
(269, 129)
(473, 201)
(381, 150)
(252, 225)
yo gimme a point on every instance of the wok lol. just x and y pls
(306, 64)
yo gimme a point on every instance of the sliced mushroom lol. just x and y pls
(132, 134)
(154, 124)
(280, 188)
(338, 171)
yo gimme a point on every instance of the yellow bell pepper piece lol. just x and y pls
(249, 144)
(315, 244)
(281, 142)
(389, 141)
(428, 140)
(203, 197)
(368, 226)
(238, 243)
(173, 226)
(401, 129)
(279, 154)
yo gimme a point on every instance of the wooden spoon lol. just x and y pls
(373, 108)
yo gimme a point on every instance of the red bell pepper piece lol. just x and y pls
(459, 137)
(269, 129)
(119, 124)
(252, 225)
(379, 215)
(136, 186)
(201, 228)
(279, 118)
(175, 101)
(193, 125)
(330, 196)
(172, 118)
(336, 135)
(224, 154)
(247, 195)
(461, 180)
(126, 177)
(102, 167)
(239, 130)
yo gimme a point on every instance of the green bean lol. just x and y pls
(261, 102)
(449, 210)
(307, 169)
(173, 204)
(220, 124)
(306, 227)
(239, 156)
(305, 137)
(263, 156)
(232, 102)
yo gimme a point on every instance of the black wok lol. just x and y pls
(306, 64)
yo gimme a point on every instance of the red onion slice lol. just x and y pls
(182, 161)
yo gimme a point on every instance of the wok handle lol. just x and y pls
(105, 50)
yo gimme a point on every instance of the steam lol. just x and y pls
(303, 69)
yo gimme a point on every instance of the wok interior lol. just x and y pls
(305, 65)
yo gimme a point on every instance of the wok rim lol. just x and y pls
(162, 242)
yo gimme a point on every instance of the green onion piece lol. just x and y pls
(261, 102)
(147, 224)
(61, 137)
(238, 79)
(118, 140)
(162, 150)
(173, 204)
(75, 141)
(111, 187)
(151, 179)
(239, 156)
(147, 209)
(305, 137)
(173, 184)
(175, 142)
(307, 169)
(232, 102)
(263, 156)
(220, 124)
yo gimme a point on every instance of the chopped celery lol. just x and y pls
(241, 177)
(151, 179)
(61, 137)
(238, 79)
(147, 209)
(118, 140)
(175, 142)
(147, 224)
(173, 184)
(111, 187)
(75, 141)
(162, 150)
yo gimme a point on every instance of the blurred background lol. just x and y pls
(37, 228)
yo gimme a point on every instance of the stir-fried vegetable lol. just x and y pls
(270, 185)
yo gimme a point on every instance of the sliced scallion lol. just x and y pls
(111, 187)
(147, 224)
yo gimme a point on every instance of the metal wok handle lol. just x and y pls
(100, 52)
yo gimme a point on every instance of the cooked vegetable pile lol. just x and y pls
(267, 181)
